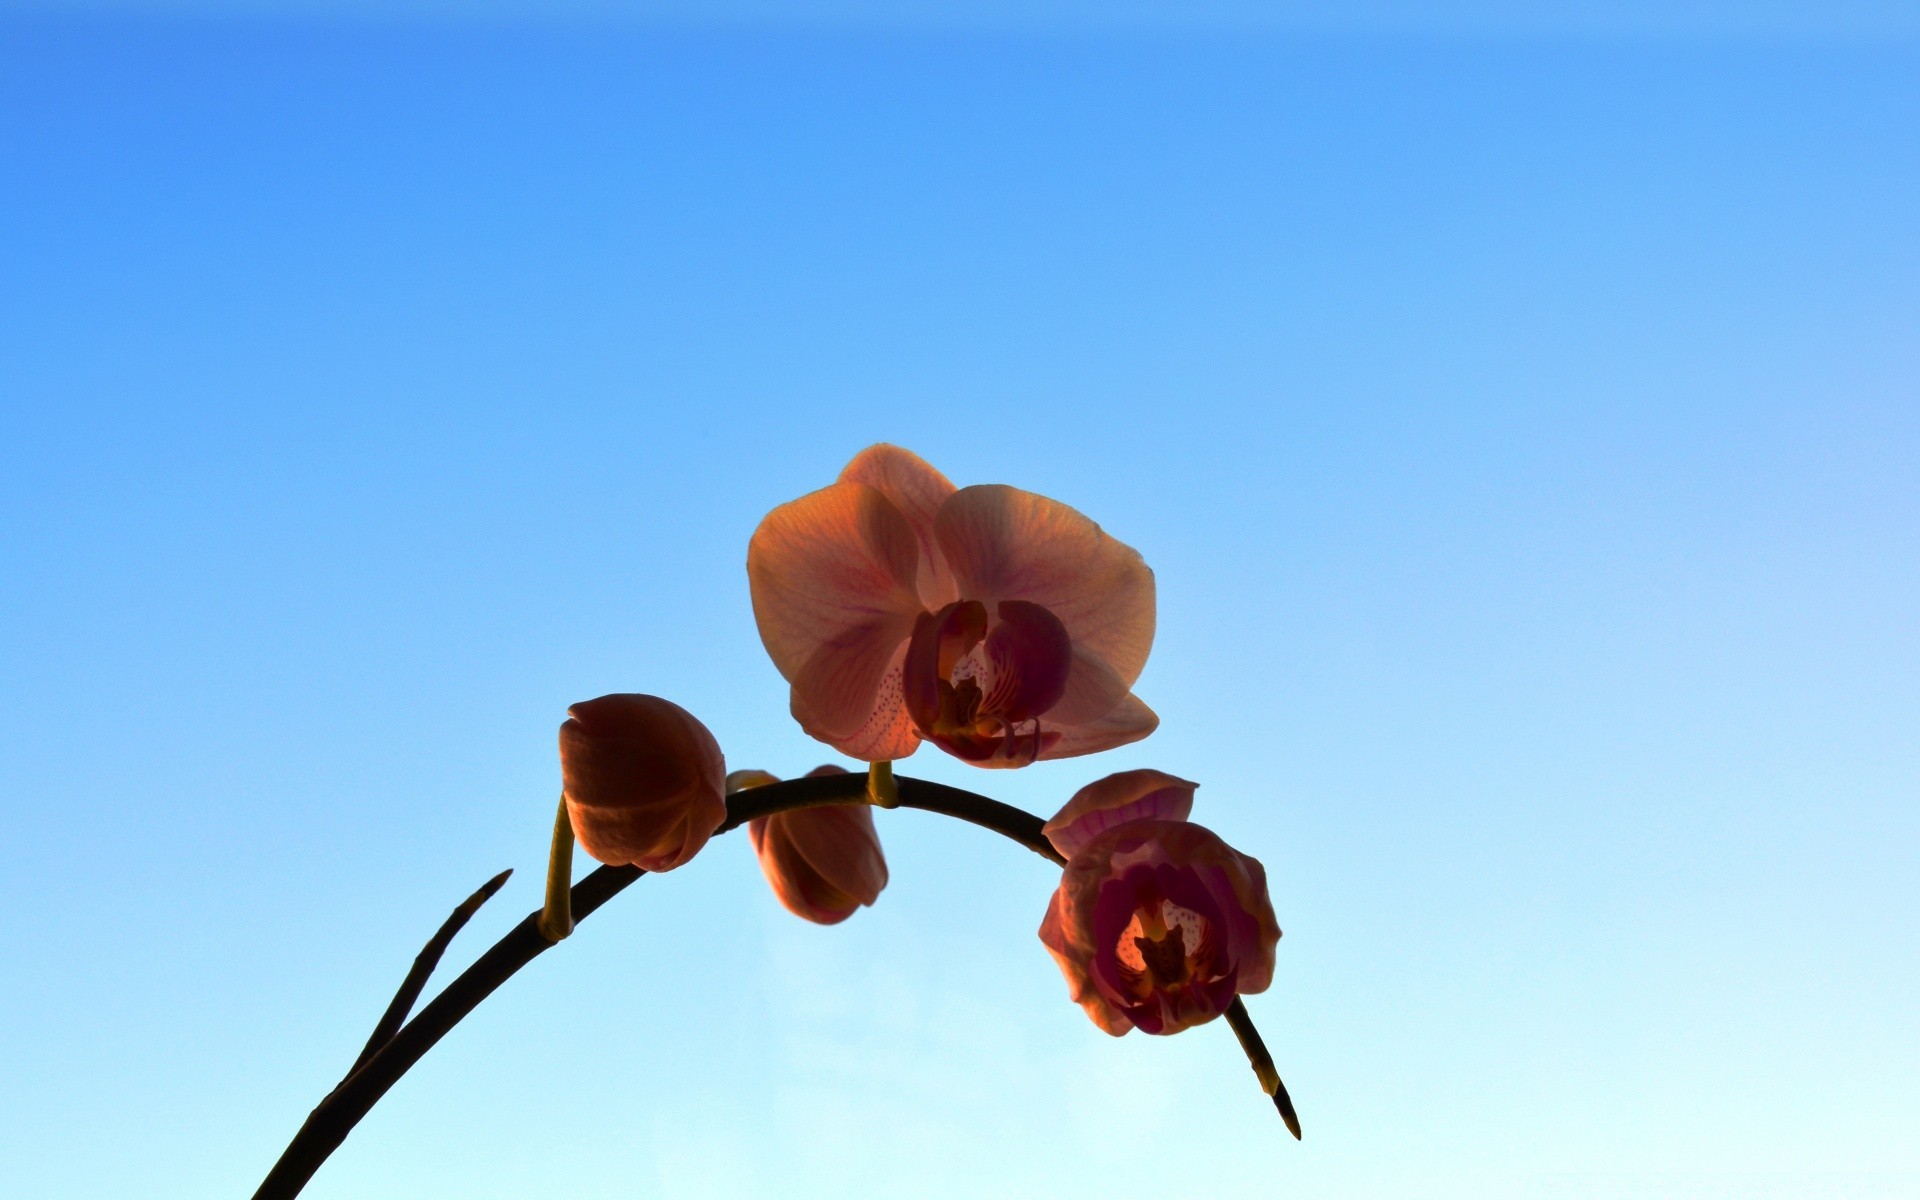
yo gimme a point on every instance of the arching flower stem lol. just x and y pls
(336, 1115)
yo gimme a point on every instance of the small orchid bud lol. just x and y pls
(644, 780)
(823, 863)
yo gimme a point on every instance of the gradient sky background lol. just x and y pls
(1519, 406)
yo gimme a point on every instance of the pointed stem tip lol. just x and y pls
(1284, 1103)
(1262, 1063)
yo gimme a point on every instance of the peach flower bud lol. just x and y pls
(1158, 924)
(644, 780)
(823, 862)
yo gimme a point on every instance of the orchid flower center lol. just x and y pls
(978, 686)
(1165, 946)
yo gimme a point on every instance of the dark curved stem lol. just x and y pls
(975, 809)
(423, 965)
(330, 1122)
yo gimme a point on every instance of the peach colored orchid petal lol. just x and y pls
(1055, 936)
(918, 491)
(832, 577)
(1129, 721)
(888, 732)
(1006, 544)
(1093, 690)
(842, 685)
(940, 709)
(1115, 800)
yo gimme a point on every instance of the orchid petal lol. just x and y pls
(1093, 690)
(842, 684)
(1129, 721)
(832, 577)
(888, 732)
(938, 642)
(1127, 796)
(918, 491)
(1056, 934)
(1006, 544)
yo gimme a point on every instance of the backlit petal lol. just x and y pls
(888, 732)
(833, 560)
(938, 642)
(1057, 935)
(1006, 544)
(1127, 796)
(832, 578)
(1093, 690)
(1129, 721)
(918, 491)
(841, 685)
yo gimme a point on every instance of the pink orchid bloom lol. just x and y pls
(1157, 923)
(823, 863)
(1000, 625)
(644, 780)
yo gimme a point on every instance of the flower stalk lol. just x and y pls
(882, 791)
(336, 1115)
(556, 917)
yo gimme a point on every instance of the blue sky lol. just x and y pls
(1521, 410)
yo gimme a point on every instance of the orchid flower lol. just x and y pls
(1000, 625)
(1157, 924)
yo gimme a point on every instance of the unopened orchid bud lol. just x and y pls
(645, 781)
(824, 862)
